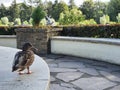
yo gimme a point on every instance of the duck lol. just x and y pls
(24, 59)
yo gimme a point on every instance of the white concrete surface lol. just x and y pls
(100, 49)
(38, 80)
(8, 41)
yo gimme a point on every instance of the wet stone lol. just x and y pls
(52, 65)
(52, 78)
(116, 88)
(71, 65)
(62, 70)
(67, 85)
(69, 76)
(90, 71)
(110, 76)
(93, 83)
(58, 87)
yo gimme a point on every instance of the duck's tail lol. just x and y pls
(14, 69)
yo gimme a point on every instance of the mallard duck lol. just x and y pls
(23, 59)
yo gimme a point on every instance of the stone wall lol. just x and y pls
(40, 38)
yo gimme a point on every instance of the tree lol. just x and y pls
(73, 16)
(100, 9)
(93, 10)
(113, 9)
(87, 8)
(25, 12)
(49, 8)
(37, 16)
(35, 2)
(72, 4)
(2, 10)
(14, 10)
(58, 8)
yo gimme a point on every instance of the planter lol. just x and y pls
(40, 38)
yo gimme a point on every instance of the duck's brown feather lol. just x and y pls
(22, 60)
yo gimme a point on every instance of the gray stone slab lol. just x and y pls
(52, 78)
(38, 80)
(69, 76)
(110, 76)
(93, 83)
(58, 87)
(116, 88)
(90, 71)
(52, 65)
(67, 85)
(71, 65)
(62, 70)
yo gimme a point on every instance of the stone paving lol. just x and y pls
(73, 73)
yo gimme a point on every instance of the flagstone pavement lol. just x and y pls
(74, 73)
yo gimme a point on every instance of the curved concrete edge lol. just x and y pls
(38, 80)
(107, 50)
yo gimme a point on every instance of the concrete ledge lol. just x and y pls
(38, 80)
(100, 49)
(8, 41)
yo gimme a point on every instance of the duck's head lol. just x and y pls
(27, 46)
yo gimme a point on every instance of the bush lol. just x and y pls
(17, 21)
(72, 17)
(96, 31)
(4, 21)
(5, 30)
(37, 15)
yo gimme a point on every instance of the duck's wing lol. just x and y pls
(17, 60)
(29, 58)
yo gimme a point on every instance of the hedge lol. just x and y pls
(96, 31)
(6, 30)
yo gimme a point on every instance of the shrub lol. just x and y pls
(118, 17)
(74, 16)
(105, 19)
(37, 15)
(99, 31)
(25, 23)
(88, 22)
(17, 21)
(4, 20)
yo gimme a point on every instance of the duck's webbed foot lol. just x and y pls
(28, 70)
(21, 73)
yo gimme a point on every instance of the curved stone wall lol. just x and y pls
(99, 49)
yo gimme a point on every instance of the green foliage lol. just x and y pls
(25, 12)
(118, 17)
(37, 15)
(74, 16)
(0, 22)
(4, 20)
(25, 23)
(43, 22)
(104, 19)
(59, 8)
(14, 10)
(87, 8)
(113, 9)
(88, 22)
(30, 21)
(99, 31)
(93, 10)
(17, 21)
(72, 4)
